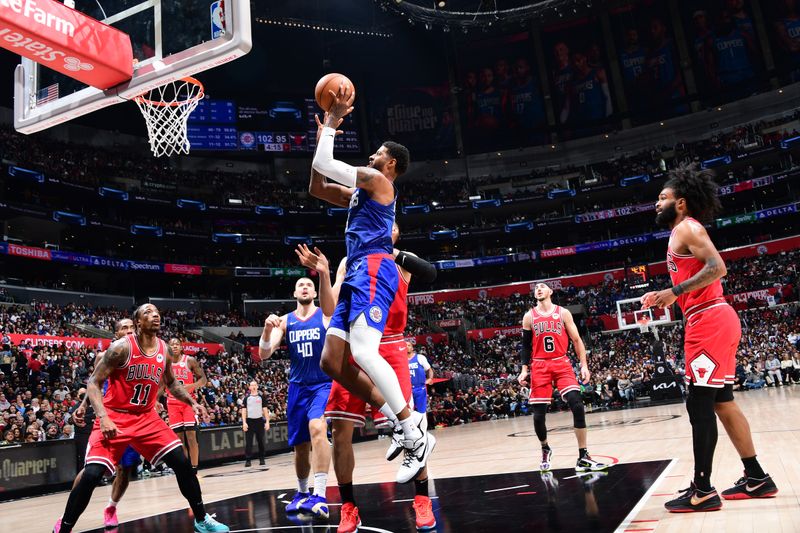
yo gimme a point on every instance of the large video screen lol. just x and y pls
(282, 124)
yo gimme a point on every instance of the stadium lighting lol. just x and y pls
(441, 3)
(234, 201)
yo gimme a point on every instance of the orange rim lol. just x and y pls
(142, 100)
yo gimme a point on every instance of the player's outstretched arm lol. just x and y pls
(577, 342)
(316, 260)
(271, 336)
(415, 265)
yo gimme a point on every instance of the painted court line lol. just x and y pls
(635, 511)
(408, 500)
(506, 488)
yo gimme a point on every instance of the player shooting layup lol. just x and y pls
(371, 281)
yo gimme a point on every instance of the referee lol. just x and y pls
(255, 417)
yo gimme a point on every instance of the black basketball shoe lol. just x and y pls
(692, 500)
(751, 487)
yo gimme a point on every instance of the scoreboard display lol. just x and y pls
(282, 125)
(637, 276)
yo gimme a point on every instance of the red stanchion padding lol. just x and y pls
(66, 41)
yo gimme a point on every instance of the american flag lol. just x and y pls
(48, 94)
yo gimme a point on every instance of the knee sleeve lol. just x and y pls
(573, 398)
(539, 415)
(93, 473)
(700, 405)
(365, 342)
(178, 462)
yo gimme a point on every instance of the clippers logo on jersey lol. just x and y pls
(304, 334)
(305, 339)
(550, 336)
(133, 387)
(375, 314)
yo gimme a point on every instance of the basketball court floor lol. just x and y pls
(485, 478)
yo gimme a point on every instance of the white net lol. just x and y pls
(166, 110)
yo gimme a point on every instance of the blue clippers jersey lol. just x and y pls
(632, 63)
(369, 226)
(305, 339)
(661, 63)
(792, 27)
(526, 104)
(417, 372)
(733, 62)
(589, 102)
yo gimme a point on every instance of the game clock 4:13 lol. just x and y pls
(282, 141)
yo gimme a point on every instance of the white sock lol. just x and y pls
(112, 503)
(410, 430)
(320, 483)
(365, 344)
(389, 414)
(302, 485)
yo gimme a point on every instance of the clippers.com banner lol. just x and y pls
(66, 41)
(76, 343)
(72, 343)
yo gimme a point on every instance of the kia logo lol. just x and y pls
(74, 64)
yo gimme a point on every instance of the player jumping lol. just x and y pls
(135, 366)
(345, 410)
(552, 327)
(371, 281)
(711, 339)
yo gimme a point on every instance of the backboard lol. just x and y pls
(171, 39)
(630, 315)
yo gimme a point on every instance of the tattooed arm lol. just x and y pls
(115, 357)
(692, 236)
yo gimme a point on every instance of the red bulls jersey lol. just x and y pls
(398, 312)
(682, 267)
(550, 339)
(183, 374)
(134, 386)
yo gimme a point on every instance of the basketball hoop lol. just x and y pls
(644, 322)
(166, 110)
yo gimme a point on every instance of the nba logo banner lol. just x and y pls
(218, 19)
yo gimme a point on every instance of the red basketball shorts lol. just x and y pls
(548, 372)
(342, 405)
(145, 432)
(711, 340)
(180, 415)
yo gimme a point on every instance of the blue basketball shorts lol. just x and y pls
(369, 288)
(305, 403)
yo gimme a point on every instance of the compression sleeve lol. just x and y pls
(325, 164)
(527, 347)
(416, 266)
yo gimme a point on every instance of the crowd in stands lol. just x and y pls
(41, 384)
(92, 166)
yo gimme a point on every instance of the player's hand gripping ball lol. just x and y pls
(326, 84)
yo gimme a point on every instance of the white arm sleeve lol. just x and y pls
(423, 361)
(325, 164)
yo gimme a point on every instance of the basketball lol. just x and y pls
(330, 82)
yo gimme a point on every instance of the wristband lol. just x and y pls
(677, 290)
(264, 345)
